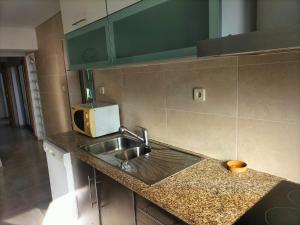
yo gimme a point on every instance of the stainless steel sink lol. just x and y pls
(132, 153)
(115, 144)
(148, 164)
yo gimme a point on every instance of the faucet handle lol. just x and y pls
(122, 129)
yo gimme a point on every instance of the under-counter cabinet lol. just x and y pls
(149, 214)
(88, 47)
(116, 202)
(100, 199)
(78, 13)
(86, 193)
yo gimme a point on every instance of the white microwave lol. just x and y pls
(96, 120)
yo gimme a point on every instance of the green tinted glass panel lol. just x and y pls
(170, 25)
(87, 47)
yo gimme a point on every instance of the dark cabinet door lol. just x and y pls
(88, 47)
(116, 202)
(155, 29)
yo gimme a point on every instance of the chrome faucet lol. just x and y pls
(143, 139)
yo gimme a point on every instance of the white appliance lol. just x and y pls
(96, 120)
(64, 204)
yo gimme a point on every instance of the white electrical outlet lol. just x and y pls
(199, 94)
(101, 90)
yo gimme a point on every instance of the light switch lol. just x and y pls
(199, 94)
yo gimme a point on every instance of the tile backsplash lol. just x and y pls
(251, 112)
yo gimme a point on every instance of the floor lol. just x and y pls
(24, 181)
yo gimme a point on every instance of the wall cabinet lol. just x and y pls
(116, 5)
(78, 13)
(136, 31)
(88, 47)
(156, 29)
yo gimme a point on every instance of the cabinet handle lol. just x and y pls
(90, 189)
(95, 194)
(78, 22)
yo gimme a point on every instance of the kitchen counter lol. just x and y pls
(205, 193)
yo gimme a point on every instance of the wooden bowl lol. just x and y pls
(237, 166)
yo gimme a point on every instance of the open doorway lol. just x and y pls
(15, 99)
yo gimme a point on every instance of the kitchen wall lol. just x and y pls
(53, 78)
(251, 112)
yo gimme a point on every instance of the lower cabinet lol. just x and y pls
(100, 199)
(86, 193)
(103, 201)
(149, 214)
(116, 202)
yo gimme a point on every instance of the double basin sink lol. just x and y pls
(148, 164)
(122, 148)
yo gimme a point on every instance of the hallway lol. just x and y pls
(24, 182)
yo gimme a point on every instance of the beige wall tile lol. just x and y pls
(270, 147)
(220, 85)
(57, 120)
(73, 82)
(55, 100)
(270, 92)
(159, 97)
(52, 84)
(141, 68)
(274, 57)
(227, 61)
(112, 81)
(75, 99)
(211, 135)
(50, 64)
(198, 63)
(154, 119)
(144, 89)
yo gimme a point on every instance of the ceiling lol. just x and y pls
(26, 13)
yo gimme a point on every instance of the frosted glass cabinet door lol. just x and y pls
(78, 13)
(88, 46)
(156, 29)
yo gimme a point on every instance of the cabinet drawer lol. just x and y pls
(153, 216)
(149, 214)
(88, 46)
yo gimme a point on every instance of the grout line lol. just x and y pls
(237, 111)
(270, 63)
(201, 113)
(296, 123)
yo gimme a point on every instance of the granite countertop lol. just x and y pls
(205, 193)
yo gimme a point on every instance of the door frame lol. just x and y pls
(7, 80)
(28, 95)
